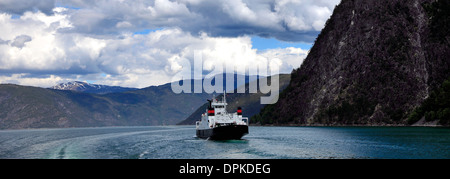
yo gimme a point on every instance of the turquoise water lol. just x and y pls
(179, 142)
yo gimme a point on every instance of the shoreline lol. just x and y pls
(421, 123)
(349, 125)
(437, 126)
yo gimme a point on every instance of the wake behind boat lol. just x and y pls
(217, 124)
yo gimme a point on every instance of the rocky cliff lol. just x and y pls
(373, 64)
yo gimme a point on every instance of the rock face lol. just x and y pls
(372, 64)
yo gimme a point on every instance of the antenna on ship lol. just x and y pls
(224, 96)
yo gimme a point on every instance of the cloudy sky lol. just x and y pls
(139, 43)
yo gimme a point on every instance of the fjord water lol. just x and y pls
(262, 142)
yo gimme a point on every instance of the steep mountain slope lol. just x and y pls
(250, 102)
(373, 63)
(90, 88)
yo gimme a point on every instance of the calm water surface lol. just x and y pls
(262, 142)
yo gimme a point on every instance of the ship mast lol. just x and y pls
(224, 97)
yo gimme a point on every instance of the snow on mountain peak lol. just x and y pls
(89, 88)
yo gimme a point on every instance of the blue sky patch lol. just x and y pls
(261, 43)
(147, 31)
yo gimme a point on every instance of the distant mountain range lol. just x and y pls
(79, 104)
(33, 107)
(90, 88)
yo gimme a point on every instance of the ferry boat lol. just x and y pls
(217, 124)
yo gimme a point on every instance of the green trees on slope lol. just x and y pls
(436, 107)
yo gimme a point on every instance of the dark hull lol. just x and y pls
(231, 132)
